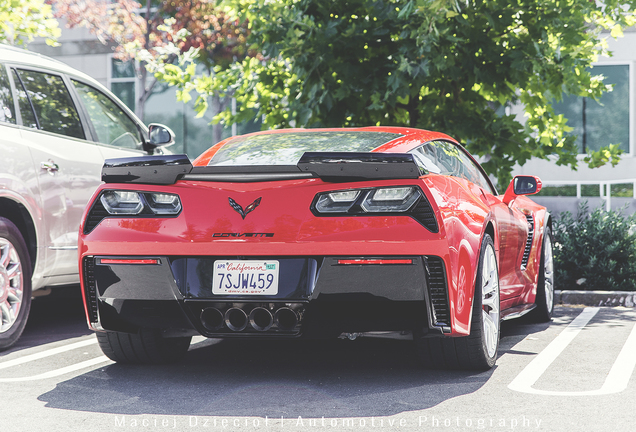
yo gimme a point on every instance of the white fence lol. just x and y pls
(605, 190)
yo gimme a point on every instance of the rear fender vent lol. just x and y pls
(90, 289)
(96, 214)
(425, 215)
(438, 290)
(526, 251)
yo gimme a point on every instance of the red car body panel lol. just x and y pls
(465, 213)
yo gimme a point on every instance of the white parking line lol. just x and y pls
(47, 353)
(616, 381)
(67, 369)
(61, 371)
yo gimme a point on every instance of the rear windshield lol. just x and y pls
(287, 148)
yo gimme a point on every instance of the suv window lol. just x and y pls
(7, 114)
(51, 102)
(28, 117)
(111, 123)
(442, 157)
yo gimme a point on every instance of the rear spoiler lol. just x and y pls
(328, 166)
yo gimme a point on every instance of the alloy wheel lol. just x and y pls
(11, 285)
(490, 301)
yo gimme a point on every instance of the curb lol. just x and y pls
(596, 298)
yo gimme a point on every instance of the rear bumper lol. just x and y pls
(317, 296)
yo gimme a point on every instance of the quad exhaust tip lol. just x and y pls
(236, 319)
(212, 319)
(259, 318)
(286, 318)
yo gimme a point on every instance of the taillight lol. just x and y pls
(379, 201)
(359, 201)
(122, 202)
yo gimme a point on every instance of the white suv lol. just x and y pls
(57, 125)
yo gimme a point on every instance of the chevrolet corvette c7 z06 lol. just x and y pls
(313, 233)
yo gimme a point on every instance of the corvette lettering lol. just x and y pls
(248, 235)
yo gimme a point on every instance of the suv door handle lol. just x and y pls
(50, 166)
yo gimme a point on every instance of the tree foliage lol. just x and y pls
(447, 65)
(23, 20)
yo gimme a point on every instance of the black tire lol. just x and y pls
(15, 284)
(545, 282)
(477, 351)
(144, 347)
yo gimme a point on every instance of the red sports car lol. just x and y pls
(313, 233)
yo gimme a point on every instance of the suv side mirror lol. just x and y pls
(522, 185)
(160, 135)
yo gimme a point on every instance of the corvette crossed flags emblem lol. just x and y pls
(247, 210)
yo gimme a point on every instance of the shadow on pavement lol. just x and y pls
(332, 378)
(336, 378)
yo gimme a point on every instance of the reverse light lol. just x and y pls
(163, 204)
(337, 202)
(122, 202)
(390, 199)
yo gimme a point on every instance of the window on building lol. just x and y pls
(600, 124)
(122, 81)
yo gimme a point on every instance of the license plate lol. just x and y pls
(245, 277)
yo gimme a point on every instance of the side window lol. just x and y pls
(26, 110)
(7, 114)
(51, 102)
(111, 124)
(441, 157)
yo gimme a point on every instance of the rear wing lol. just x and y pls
(328, 166)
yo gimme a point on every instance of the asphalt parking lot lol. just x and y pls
(575, 374)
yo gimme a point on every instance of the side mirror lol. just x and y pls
(160, 135)
(522, 185)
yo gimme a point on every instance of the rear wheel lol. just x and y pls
(477, 351)
(146, 346)
(545, 283)
(15, 283)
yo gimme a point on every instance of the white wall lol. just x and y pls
(79, 49)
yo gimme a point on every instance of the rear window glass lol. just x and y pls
(287, 148)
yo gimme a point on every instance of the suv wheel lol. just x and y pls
(15, 283)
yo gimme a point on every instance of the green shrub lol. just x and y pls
(595, 251)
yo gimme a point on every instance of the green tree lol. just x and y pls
(444, 65)
(23, 20)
